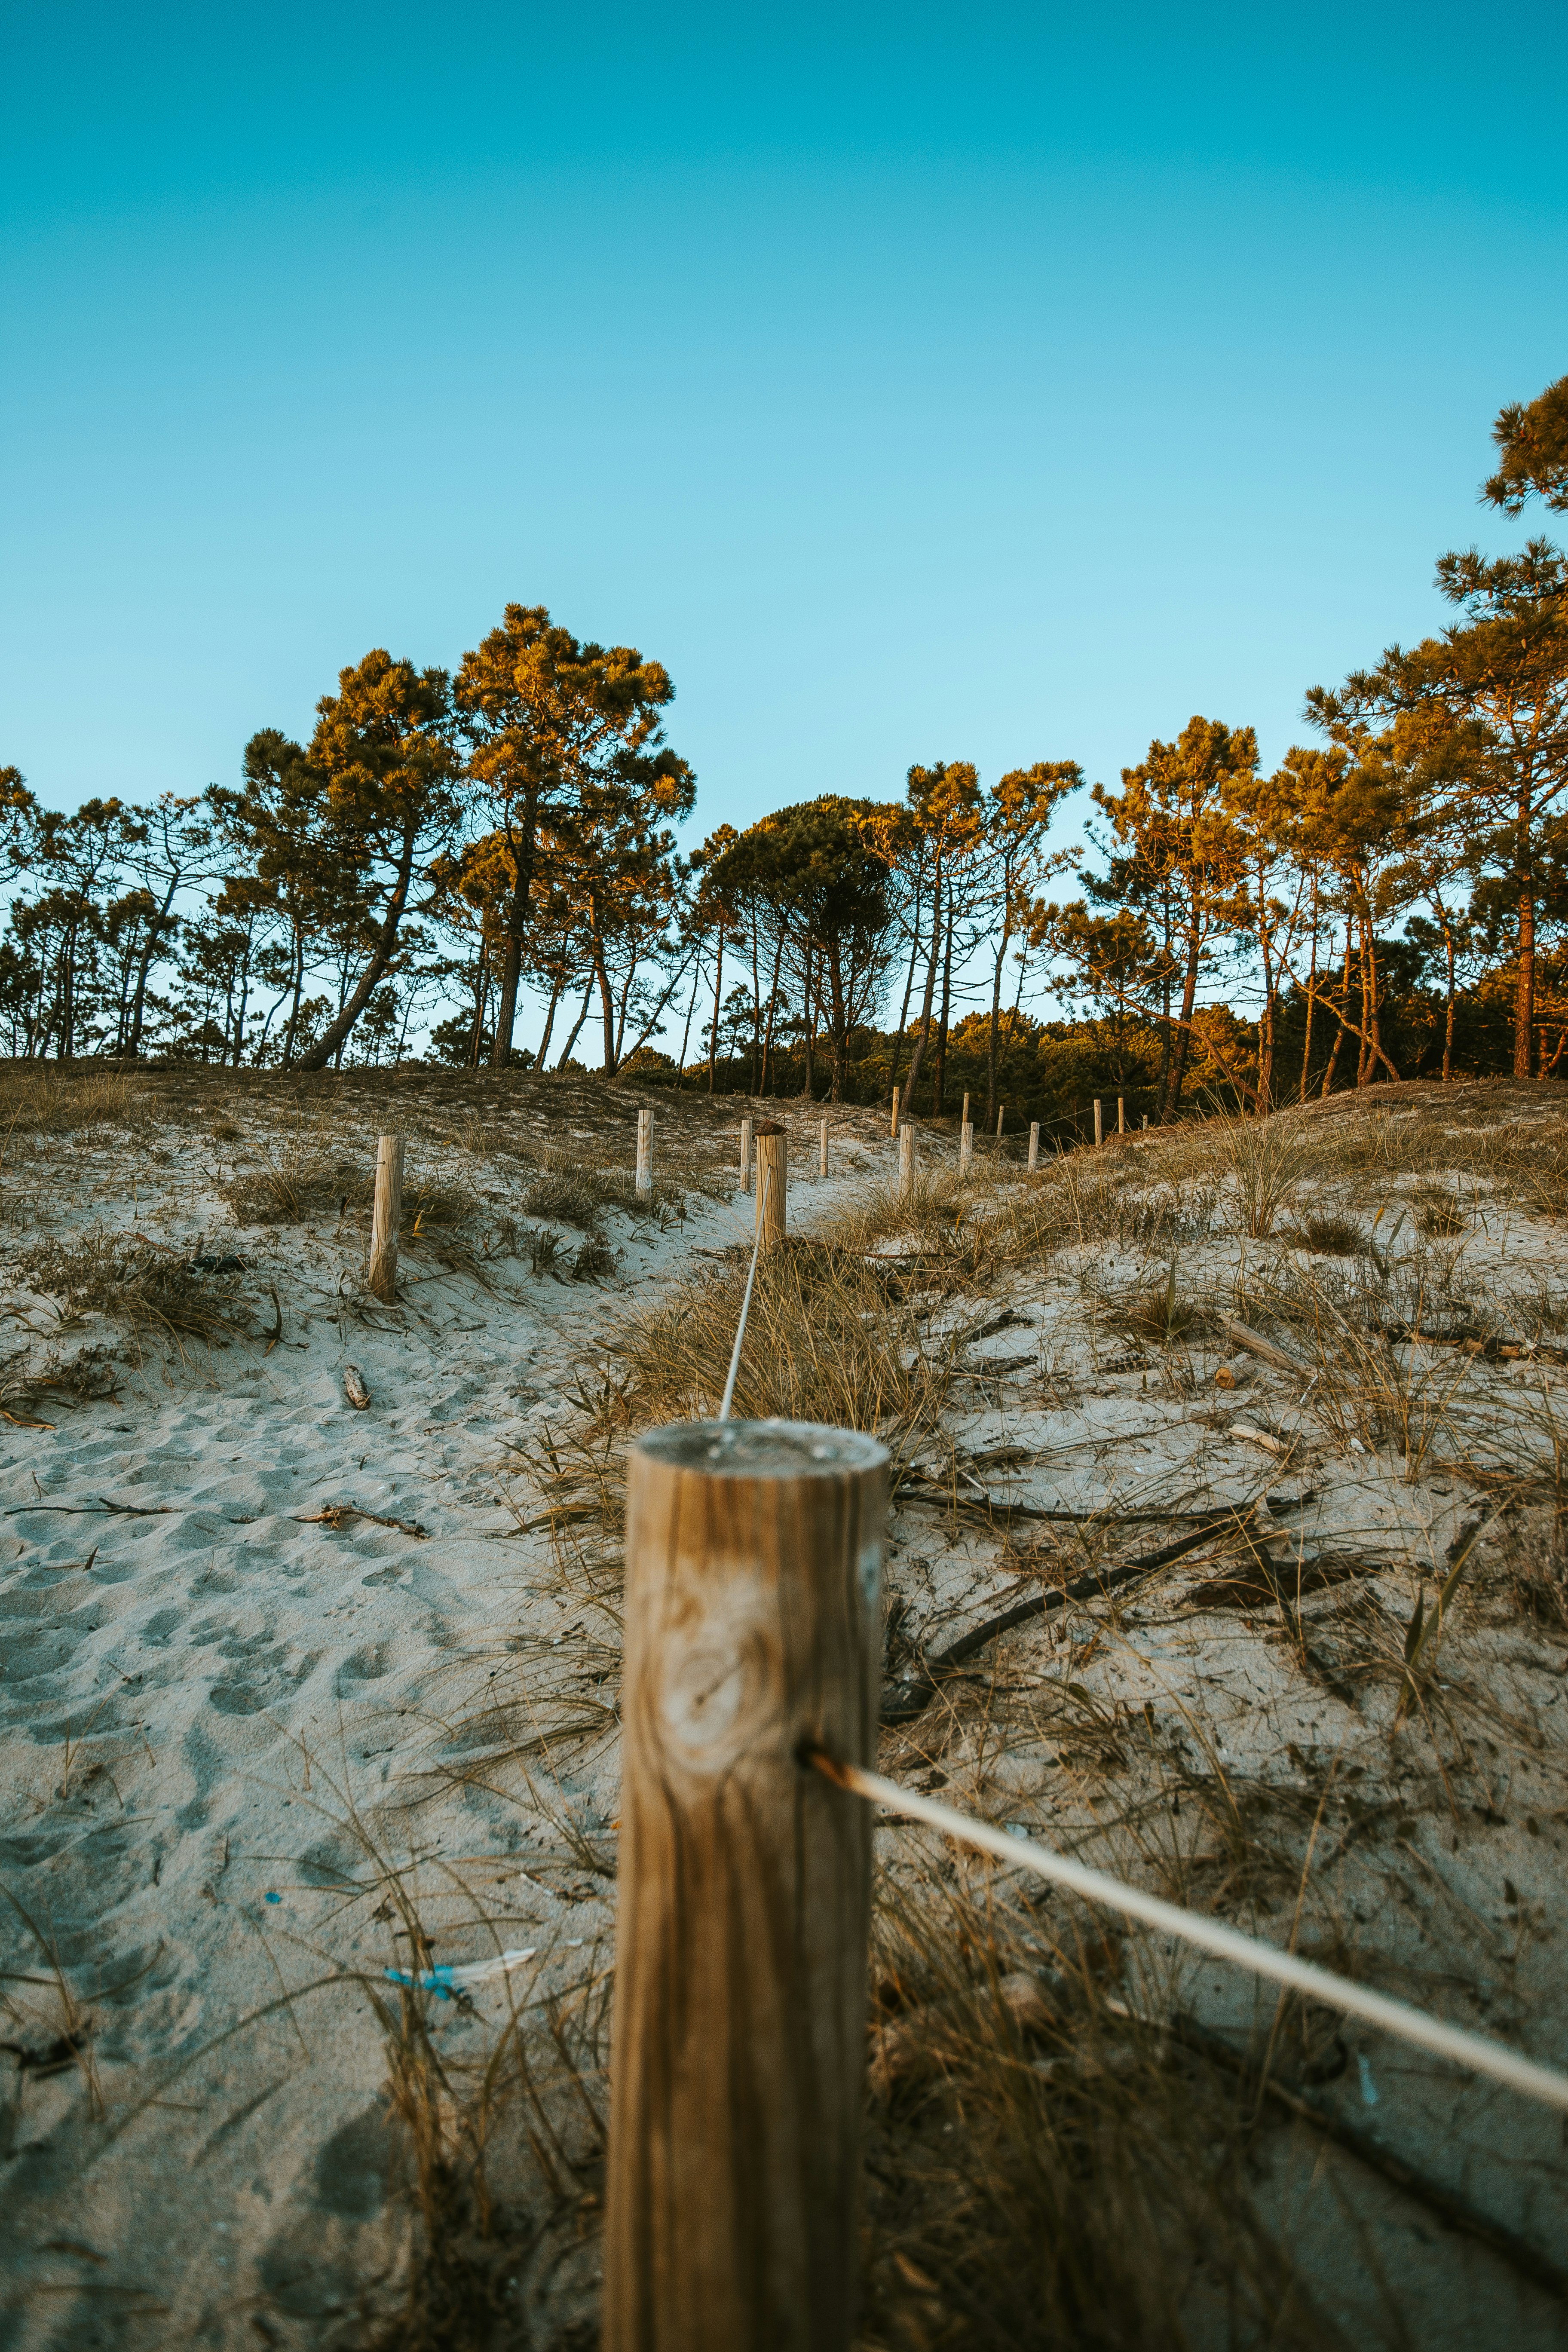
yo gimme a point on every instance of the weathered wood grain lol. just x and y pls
(387, 1216)
(772, 1181)
(754, 1556)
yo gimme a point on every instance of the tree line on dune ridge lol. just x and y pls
(1390, 902)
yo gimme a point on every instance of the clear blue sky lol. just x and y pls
(916, 383)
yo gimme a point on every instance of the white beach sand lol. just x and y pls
(234, 1727)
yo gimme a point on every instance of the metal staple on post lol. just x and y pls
(645, 1151)
(387, 1216)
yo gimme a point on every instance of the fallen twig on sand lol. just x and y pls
(338, 1514)
(910, 1696)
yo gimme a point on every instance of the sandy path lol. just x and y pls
(202, 1683)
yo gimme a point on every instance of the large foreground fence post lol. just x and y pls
(387, 1216)
(753, 1625)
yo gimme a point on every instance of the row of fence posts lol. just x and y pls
(754, 1638)
(771, 1139)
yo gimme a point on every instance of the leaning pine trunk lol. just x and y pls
(381, 956)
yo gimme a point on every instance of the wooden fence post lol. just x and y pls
(752, 1625)
(645, 1151)
(387, 1216)
(1145, 1122)
(1033, 1143)
(772, 1181)
(822, 1170)
(1121, 1114)
(895, 1128)
(907, 1162)
(1099, 1121)
(745, 1155)
(1001, 1115)
(965, 1146)
(963, 1114)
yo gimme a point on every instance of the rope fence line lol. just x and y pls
(1473, 2050)
(746, 1302)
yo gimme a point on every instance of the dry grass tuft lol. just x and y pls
(1045, 2169)
(1158, 1314)
(825, 1342)
(1326, 1233)
(152, 1290)
(39, 1100)
(298, 1184)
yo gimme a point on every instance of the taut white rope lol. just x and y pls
(1471, 2049)
(763, 1179)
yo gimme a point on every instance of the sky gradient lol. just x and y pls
(915, 385)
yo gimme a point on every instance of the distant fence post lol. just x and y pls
(745, 1155)
(1121, 1114)
(965, 1146)
(1099, 1121)
(772, 1181)
(907, 1162)
(1033, 1143)
(1145, 1122)
(645, 1151)
(895, 1127)
(387, 1216)
(737, 2070)
(822, 1170)
(1001, 1115)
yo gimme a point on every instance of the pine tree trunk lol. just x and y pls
(338, 1034)
(908, 990)
(1311, 994)
(995, 1024)
(555, 995)
(1524, 993)
(938, 1075)
(522, 851)
(924, 1037)
(717, 985)
(1180, 1039)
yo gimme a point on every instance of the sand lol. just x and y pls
(282, 1676)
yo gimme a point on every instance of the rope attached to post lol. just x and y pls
(765, 1179)
(1472, 2050)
